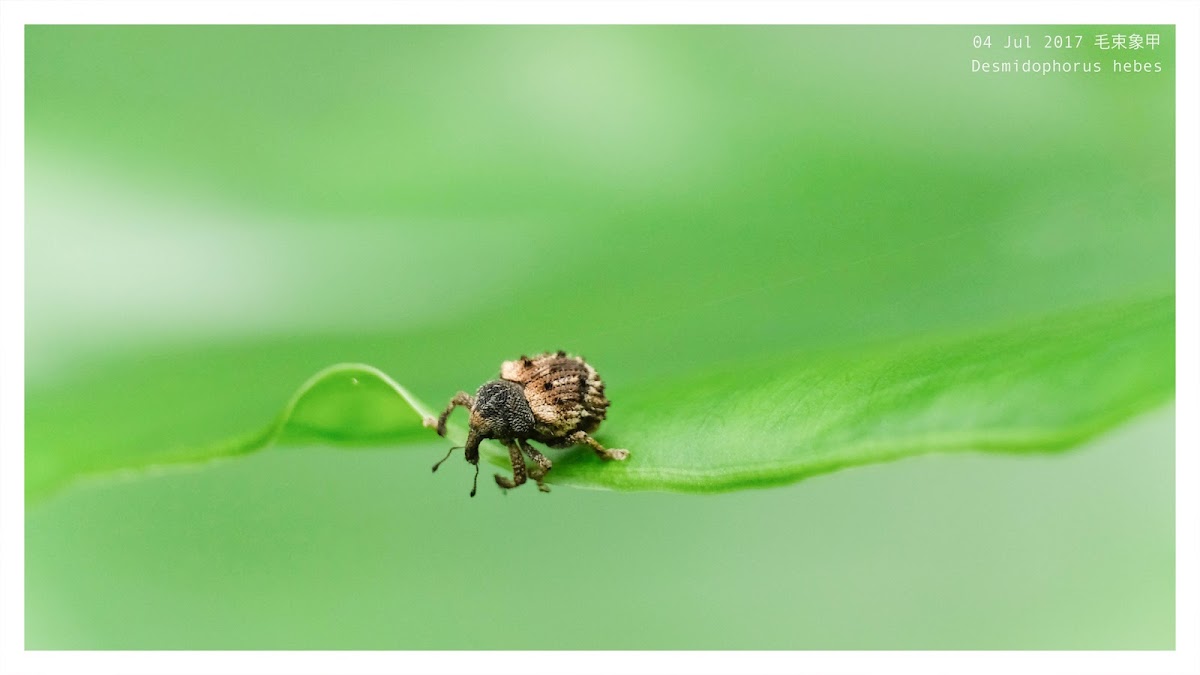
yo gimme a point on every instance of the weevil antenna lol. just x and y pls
(457, 447)
(475, 483)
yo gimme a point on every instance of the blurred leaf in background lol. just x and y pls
(216, 213)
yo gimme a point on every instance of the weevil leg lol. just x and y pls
(544, 465)
(461, 398)
(581, 438)
(518, 464)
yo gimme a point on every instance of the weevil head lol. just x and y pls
(501, 411)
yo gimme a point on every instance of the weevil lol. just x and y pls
(554, 399)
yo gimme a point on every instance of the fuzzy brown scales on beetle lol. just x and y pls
(555, 399)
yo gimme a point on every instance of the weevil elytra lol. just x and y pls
(553, 398)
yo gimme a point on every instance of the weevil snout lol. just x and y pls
(474, 438)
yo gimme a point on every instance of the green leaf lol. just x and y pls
(769, 290)
(1044, 385)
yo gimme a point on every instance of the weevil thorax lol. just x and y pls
(500, 412)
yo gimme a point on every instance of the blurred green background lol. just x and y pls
(215, 213)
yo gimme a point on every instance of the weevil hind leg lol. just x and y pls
(518, 464)
(461, 398)
(581, 438)
(538, 473)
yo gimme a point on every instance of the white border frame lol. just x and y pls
(15, 14)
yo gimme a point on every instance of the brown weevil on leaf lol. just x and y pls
(554, 399)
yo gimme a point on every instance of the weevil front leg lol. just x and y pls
(581, 438)
(518, 465)
(544, 465)
(461, 398)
